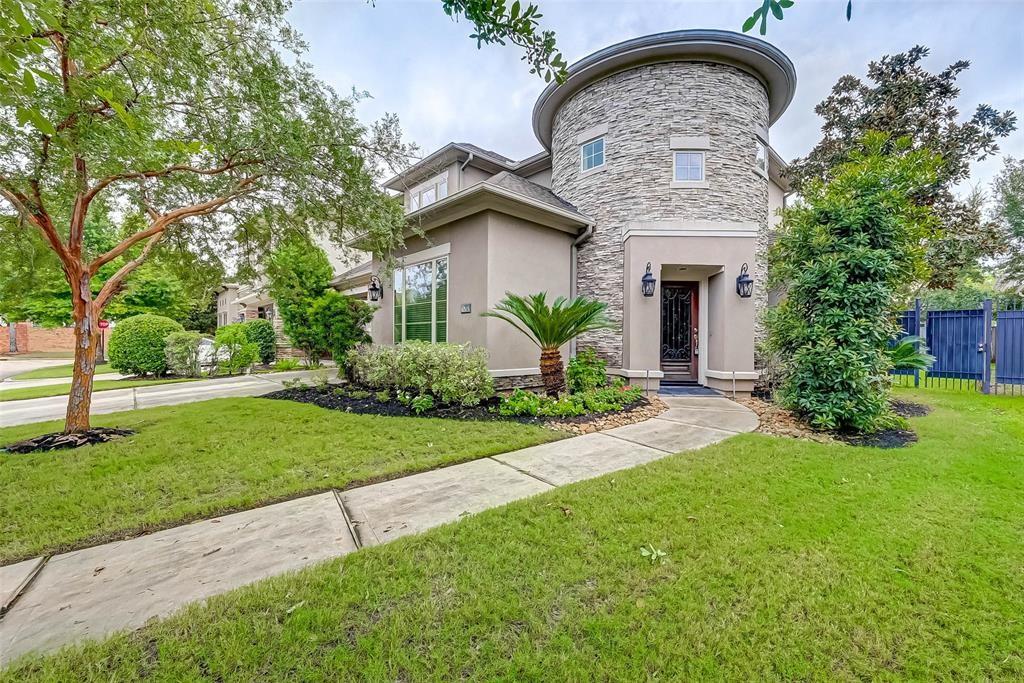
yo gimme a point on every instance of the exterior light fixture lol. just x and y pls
(374, 289)
(647, 282)
(744, 283)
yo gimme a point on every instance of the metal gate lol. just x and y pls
(1010, 347)
(957, 340)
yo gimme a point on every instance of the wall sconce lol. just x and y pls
(375, 289)
(744, 283)
(647, 282)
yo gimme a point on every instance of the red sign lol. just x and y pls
(103, 324)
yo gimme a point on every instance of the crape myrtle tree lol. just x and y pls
(845, 256)
(199, 117)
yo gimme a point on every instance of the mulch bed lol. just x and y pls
(886, 438)
(644, 409)
(909, 408)
(59, 440)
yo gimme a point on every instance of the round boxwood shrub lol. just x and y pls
(137, 344)
(261, 333)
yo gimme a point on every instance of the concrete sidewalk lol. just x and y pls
(114, 400)
(53, 381)
(90, 593)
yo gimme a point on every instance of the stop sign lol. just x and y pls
(103, 324)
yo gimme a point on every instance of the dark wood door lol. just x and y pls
(679, 316)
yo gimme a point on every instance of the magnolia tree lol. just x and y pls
(192, 120)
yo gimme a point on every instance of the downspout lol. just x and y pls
(587, 233)
(462, 168)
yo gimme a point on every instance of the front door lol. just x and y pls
(679, 331)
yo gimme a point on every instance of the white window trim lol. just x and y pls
(418, 190)
(763, 172)
(425, 256)
(689, 184)
(604, 155)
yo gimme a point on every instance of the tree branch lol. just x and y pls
(177, 168)
(112, 286)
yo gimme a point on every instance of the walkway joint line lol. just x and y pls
(520, 471)
(691, 424)
(25, 584)
(637, 443)
(348, 520)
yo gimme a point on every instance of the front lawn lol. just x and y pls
(784, 560)
(60, 371)
(21, 393)
(202, 459)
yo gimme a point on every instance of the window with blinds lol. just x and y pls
(421, 301)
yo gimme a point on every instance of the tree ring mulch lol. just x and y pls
(886, 438)
(60, 440)
(909, 408)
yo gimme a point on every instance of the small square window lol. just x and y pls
(689, 166)
(761, 157)
(592, 154)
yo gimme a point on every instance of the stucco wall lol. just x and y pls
(490, 253)
(642, 108)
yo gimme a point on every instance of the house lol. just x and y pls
(656, 160)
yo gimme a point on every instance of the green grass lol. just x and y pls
(202, 459)
(785, 560)
(60, 371)
(22, 393)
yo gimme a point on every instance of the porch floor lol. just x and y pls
(687, 390)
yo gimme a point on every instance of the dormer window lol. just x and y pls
(427, 193)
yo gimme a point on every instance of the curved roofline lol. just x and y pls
(762, 59)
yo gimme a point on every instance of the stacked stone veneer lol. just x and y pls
(643, 107)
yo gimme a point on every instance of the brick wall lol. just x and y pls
(32, 339)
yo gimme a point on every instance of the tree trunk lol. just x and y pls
(551, 371)
(87, 339)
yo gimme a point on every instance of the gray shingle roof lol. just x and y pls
(486, 152)
(520, 185)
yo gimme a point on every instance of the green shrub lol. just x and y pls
(451, 373)
(285, 364)
(137, 344)
(422, 403)
(337, 323)
(383, 396)
(261, 333)
(233, 350)
(520, 403)
(181, 351)
(845, 256)
(586, 370)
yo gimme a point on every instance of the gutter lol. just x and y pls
(462, 169)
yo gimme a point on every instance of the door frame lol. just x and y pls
(697, 329)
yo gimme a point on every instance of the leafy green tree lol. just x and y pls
(200, 118)
(339, 323)
(261, 333)
(775, 8)
(902, 99)
(1008, 190)
(233, 350)
(845, 257)
(298, 273)
(551, 327)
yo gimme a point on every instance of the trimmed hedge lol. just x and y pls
(137, 344)
(453, 374)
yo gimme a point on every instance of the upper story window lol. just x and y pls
(592, 154)
(689, 166)
(761, 157)
(427, 193)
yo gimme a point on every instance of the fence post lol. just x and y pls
(917, 333)
(986, 355)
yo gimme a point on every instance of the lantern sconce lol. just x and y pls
(744, 283)
(375, 289)
(647, 282)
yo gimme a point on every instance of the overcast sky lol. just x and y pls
(418, 63)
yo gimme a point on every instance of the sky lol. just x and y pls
(418, 63)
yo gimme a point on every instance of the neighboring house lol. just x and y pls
(656, 153)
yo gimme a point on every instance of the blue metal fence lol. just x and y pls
(975, 349)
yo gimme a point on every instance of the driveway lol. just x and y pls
(115, 400)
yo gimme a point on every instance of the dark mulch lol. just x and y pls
(59, 440)
(886, 438)
(487, 410)
(909, 408)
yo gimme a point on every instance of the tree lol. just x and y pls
(339, 323)
(904, 100)
(551, 327)
(1008, 191)
(298, 273)
(775, 8)
(845, 258)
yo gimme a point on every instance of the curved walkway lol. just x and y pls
(90, 593)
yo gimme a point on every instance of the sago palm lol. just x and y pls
(550, 327)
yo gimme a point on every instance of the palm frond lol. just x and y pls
(910, 353)
(550, 327)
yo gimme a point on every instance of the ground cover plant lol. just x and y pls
(202, 459)
(773, 559)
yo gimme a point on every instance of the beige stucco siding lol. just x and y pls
(489, 253)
